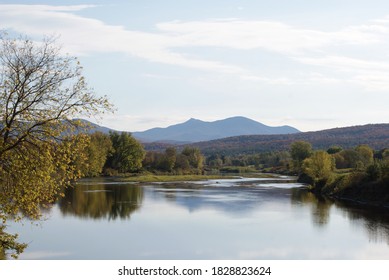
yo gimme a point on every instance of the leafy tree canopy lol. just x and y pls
(299, 151)
(127, 155)
(41, 91)
(319, 166)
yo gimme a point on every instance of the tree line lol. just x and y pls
(338, 171)
(117, 153)
(327, 171)
(374, 135)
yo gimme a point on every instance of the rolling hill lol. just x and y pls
(91, 127)
(374, 135)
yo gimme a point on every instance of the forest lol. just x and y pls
(359, 173)
(374, 135)
(117, 153)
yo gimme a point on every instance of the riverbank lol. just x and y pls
(169, 178)
(375, 194)
(356, 188)
(149, 178)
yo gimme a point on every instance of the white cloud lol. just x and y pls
(372, 75)
(82, 36)
(133, 123)
(269, 35)
(277, 81)
(343, 63)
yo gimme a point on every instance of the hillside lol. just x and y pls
(375, 135)
(92, 127)
(195, 130)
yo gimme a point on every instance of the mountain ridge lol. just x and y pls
(374, 135)
(194, 130)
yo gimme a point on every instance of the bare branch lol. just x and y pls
(39, 89)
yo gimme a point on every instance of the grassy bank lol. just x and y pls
(171, 178)
(146, 178)
(355, 187)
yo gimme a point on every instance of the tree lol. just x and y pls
(97, 151)
(182, 164)
(195, 158)
(385, 154)
(150, 160)
(41, 91)
(167, 161)
(127, 155)
(319, 167)
(350, 159)
(299, 151)
(214, 161)
(334, 150)
(359, 158)
(366, 155)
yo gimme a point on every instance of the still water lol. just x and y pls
(241, 218)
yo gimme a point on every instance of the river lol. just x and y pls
(242, 218)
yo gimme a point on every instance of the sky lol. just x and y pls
(306, 63)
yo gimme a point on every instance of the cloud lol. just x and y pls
(82, 36)
(268, 35)
(125, 122)
(316, 48)
(343, 63)
(275, 81)
(372, 75)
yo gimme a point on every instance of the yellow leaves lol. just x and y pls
(8, 241)
(41, 90)
(37, 174)
(319, 165)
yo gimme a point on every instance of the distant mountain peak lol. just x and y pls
(195, 130)
(192, 120)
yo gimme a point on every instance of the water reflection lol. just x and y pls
(104, 200)
(257, 218)
(107, 200)
(233, 197)
(101, 201)
(320, 206)
(375, 221)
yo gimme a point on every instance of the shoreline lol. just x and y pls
(152, 178)
(360, 202)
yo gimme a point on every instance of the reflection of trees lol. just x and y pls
(374, 220)
(101, 201)
(320, 206)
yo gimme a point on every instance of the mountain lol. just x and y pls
(195, 130)
(374, 135)
(91, 127)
